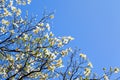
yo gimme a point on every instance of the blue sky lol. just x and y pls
(95, 25)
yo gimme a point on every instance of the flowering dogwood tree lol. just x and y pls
(29, 50)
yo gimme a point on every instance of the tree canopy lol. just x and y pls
(30, 50)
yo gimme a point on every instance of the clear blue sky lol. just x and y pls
(95, 25)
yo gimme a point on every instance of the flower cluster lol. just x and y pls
(30, 48)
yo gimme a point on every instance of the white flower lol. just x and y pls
(28, 1)
(52, 43)
(11, 3)
(48, 26)
(90, 65)
(51, 68)
(23, 3)
(87, 71)
(3, 30)
(45, 76)
(6, 12)
(65, 41)
(116, 70)
(51, 34)
(64, 52)
(106, 77)
(82, 55)
(59, 62)
(36, 30)
(12, 31)
(15, 25)
(51, 16)
(25, 36)
(47, 52)
(13, 9)
(18, 2)
(21, 20)
(52, 56)
(18, 12)
(5, 22)
(10, 58)
(69, 73)
(41, 24)
(19, 66)
(27, 69)
(46, 35)
(70, 38)
(60, 44)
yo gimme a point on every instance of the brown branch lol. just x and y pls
(6, 39)
(9, 78)
(33, 71)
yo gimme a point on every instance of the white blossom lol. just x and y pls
(5, 22)
(48, 26)
(82, 55)
(116, 70)
(52, 16)
(90, 65)
(18, 12)
(87, 71)
(106, 77)
(28, 1)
